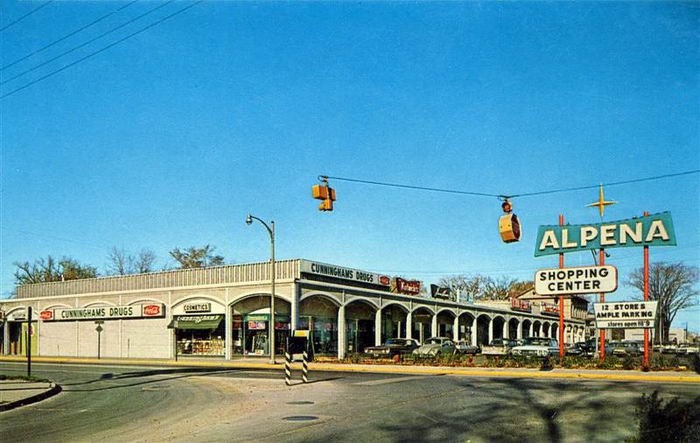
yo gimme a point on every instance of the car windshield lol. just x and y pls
(536, 341)
(433, 341)
(497, 342)
(397, 341)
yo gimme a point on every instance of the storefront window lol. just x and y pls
(251, 334)
(324, 335)
(199, 335)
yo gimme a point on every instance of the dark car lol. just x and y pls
(392, 347)
(576, 349)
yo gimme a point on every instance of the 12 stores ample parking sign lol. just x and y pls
(625, 314)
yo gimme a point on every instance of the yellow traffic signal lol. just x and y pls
(508, 224)
(325, 193)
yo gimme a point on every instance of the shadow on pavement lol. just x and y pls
(176, 373)
(524, 410)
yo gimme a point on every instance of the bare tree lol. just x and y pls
(673, 286)
(145, 261)
(119, 262)
(48, 270)
(483, 287)
(194, 257)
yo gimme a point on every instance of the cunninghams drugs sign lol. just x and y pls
(104, 312)
(651, 230)
(324, 269)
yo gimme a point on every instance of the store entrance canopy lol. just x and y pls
(196, 322)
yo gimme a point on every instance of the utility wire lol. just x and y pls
(506, 196)
(625, 182)
(26, 15)
(92, 54)
(82, 45)
(419, 188)
(70, 34)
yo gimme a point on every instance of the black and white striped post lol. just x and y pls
(305, 367)
(287, 368)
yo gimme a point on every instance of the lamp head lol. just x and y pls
(249, 220)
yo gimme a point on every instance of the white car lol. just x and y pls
(434, 346)
(537, 347)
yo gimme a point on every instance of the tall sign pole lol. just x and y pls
(645, 363)
(29, 341)
(561, 301)
(602, 300)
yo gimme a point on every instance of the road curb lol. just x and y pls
(55, 389)
(380, 369)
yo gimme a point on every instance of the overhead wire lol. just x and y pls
(82, 45)
(26, 15)
(506, 196)
(70, 34)
(92, 54)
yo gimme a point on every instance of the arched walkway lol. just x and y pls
(422, 319)
(445, 324)
(526, 328)
(467, 330)
(536, 328)
(250, 325)
(498, 327)
(393, 322)
(319, 314)
(360, 318)
(513, 324)
(483, 330)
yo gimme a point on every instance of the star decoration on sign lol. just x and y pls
(601, 203)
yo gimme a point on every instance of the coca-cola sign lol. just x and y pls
(46, 315)
(408, 286)
(151, 310)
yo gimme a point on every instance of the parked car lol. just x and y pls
(587, 348)
(575, 349)
(392, 347)
(625, 349)
(690, 349)
(435, 346)
(465, 347)
(537, 346)
(499, 346)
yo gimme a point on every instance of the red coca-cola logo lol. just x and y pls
(384, 280)
(151, 310)
(46, 315)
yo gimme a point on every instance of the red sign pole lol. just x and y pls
(561, 302)
(645, 363)
(602, 300)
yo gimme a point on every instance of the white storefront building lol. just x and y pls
(224, 312)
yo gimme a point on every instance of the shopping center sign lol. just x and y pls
(625, 315)
(651, 230)
(561, 281)
(104, 312)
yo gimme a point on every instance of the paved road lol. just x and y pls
(128, 403)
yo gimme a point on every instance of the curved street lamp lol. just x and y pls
(271, 332)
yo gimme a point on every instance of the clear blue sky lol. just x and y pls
(171, 137)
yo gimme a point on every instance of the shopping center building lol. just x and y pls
(224, 312)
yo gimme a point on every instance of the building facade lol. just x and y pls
(224, 312)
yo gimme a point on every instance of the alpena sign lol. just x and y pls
(651, 230)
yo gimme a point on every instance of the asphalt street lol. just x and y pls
(130, 403)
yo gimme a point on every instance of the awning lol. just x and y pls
(196, 322)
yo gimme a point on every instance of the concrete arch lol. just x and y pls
(55, 306)
(362, 299)
(323, 295)
(484, 329)
(498, 327)
(146, 300)
(98, 303)
(403, 307)
(423, 308)
(536, 328)
(448, 310)
(526, 328)
(236, 299)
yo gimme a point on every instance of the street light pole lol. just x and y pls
(271, 331)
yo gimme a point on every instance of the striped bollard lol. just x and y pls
(305, 367)
(287, 369)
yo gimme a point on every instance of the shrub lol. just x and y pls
(670, 421)
(629, 362)
(696, 363)
(546, 364)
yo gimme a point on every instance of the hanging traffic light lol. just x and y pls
(325, 193)
(508, 224)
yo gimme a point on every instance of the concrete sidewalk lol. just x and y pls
(15, 393)
(621, 375)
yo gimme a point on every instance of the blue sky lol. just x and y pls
(171, 137)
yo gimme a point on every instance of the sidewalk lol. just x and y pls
(15, 393)
(621, 375)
